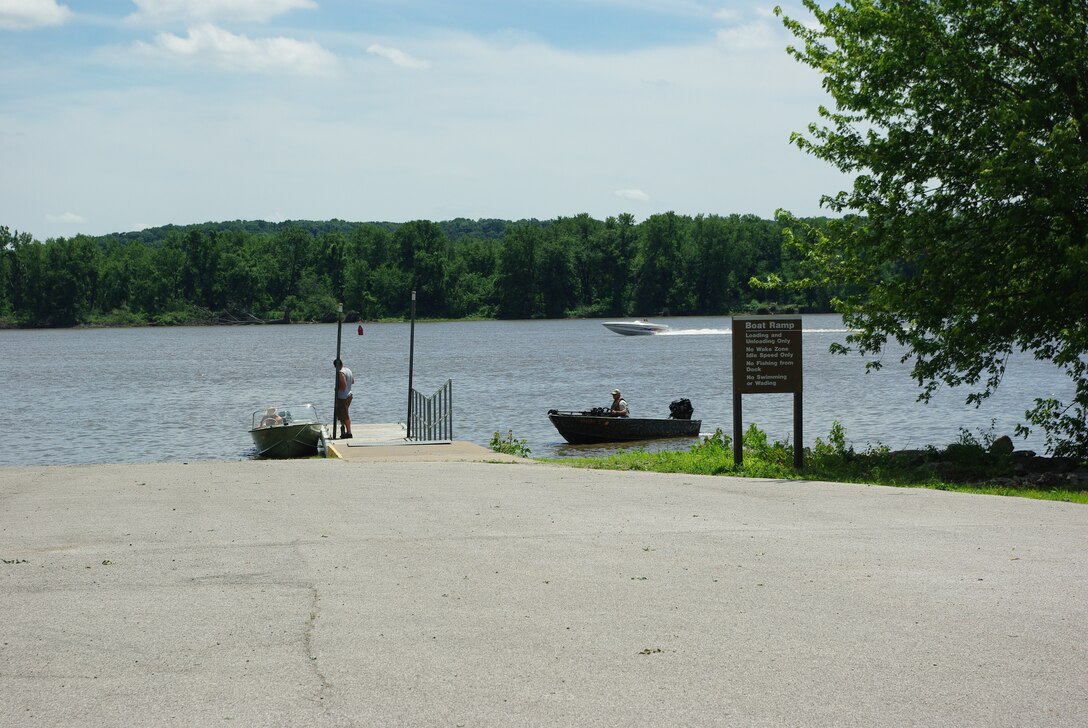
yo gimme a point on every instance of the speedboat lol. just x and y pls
(287, 432)
(600, 425)
(640, 327)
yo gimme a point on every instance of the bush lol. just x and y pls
(713, 444)
(510, 445)
(834, 451)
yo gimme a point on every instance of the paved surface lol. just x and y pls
(385, 442)
(359, 593)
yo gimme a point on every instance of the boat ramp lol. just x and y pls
(389, 442)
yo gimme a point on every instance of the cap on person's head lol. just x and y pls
(337, 363)
(615, 392)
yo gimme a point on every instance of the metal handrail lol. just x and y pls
(432, 417)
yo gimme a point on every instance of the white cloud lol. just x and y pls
(498, 126)
(214, 46)
(398, 57)
(27, 14)
(197, 11)
(750, 37)
(66, 218)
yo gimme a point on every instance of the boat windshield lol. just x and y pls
(280, 415)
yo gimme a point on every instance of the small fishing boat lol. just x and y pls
(641, 327)
(287, 432)
(599, 425)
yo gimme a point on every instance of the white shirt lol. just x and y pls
(349, 379)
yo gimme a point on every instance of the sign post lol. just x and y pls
(767, 360)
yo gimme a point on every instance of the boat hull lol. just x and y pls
(634, 328)
(584, 429)
(288, 441)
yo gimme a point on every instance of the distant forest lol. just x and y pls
(255, 271)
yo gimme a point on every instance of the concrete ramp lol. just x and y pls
(387, 442)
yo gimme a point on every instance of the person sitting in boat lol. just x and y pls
(619, 404)
(271, 419)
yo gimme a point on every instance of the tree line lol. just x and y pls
(245, 271)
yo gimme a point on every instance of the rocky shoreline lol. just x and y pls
(999, 465)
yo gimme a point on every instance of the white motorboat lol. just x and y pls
(639, 327)
(287, 432)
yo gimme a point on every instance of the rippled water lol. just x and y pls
(153, 394)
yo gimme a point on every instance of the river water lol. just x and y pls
(179, 394)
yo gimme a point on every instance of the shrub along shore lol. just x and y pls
(974, 464)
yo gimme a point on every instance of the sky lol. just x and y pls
(117, 115)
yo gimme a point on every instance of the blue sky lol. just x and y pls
(117, 115)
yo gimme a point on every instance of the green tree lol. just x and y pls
(620, 239)
(238, 284)
(581, 239)
(719, 263)
(472, 277)
(56, 281)
(555, 278)
(371, 243)
(201, 249)
(155, 283)
(316, 301)
(113, 278)
(140, 292)
(27, 261)
(425, 256)
(290, 249)
(658, 264)
(331, 253)
(965, 127)
(370, 247)
(516, 288)
(390, 288)
(10, 287)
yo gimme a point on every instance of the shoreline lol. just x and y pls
(354, 319)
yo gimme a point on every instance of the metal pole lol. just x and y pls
(798, 449)
(738, 423)
(336, 376)
(411, 360)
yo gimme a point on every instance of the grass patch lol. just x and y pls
(967, 466)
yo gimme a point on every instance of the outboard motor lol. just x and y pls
(681, 409)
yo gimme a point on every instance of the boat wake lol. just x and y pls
(729, 332)
(694, 332)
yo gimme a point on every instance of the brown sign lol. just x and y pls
(766, 354)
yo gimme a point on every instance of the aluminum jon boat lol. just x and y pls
(598, 425)
(641, 327)
(288, 431)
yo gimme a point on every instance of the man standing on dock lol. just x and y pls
(344, 380)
